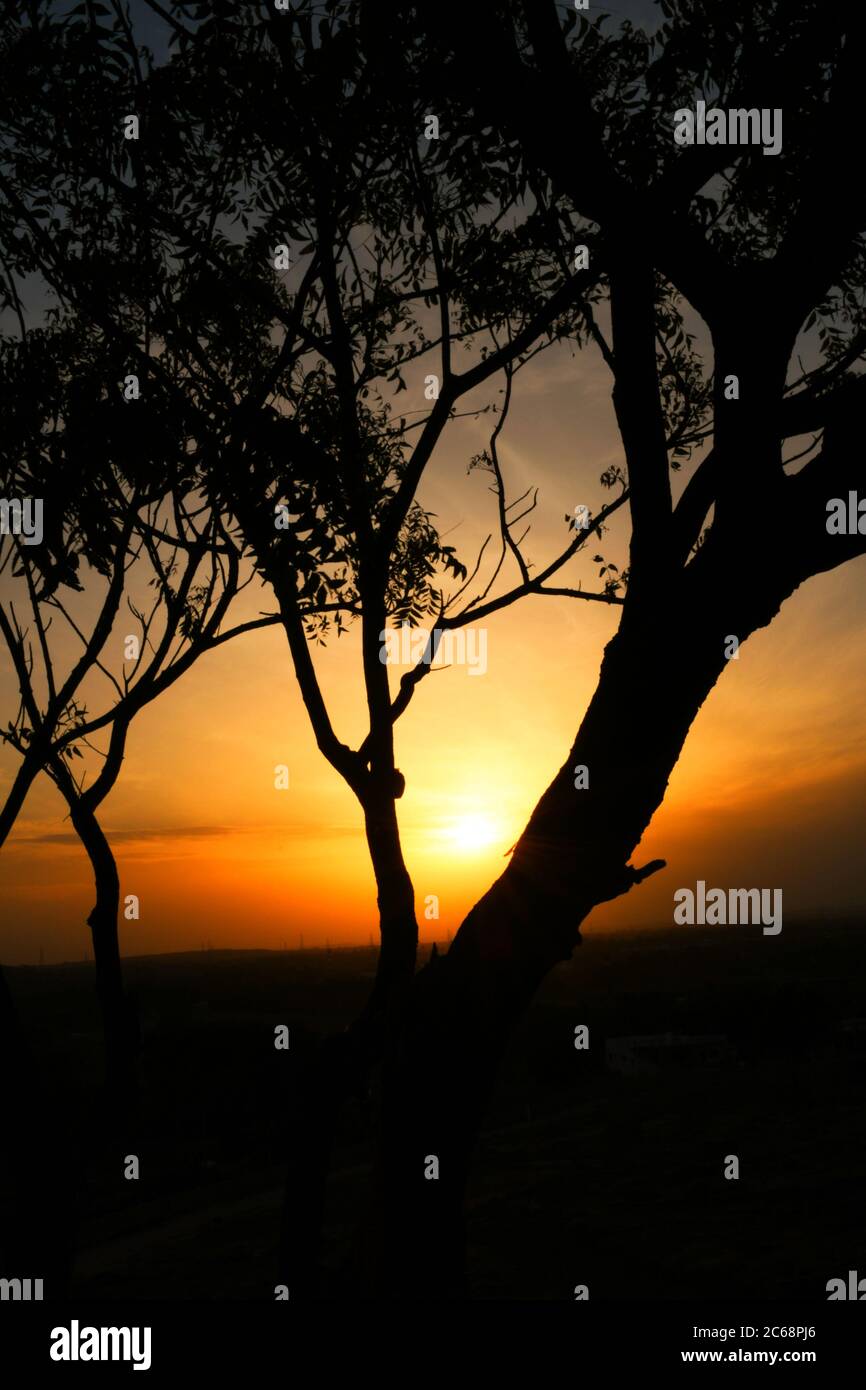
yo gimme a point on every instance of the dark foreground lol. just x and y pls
(602, 1167)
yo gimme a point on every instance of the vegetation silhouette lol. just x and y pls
(275, 243)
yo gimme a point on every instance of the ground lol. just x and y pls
(583, 1175)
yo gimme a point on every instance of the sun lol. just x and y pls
(473, 832)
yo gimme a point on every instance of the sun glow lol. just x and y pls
(473, 832)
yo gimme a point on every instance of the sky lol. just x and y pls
(769, 792)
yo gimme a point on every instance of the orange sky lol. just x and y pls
(768, 792)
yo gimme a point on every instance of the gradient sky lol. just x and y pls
(769, 792)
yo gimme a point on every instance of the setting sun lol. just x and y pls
(472, 832)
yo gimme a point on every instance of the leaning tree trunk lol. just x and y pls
(26, 775)
(572, 856)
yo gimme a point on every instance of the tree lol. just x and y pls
(120, 545)
(308, 250)
(114, 530)
(286, 385)
(744, 239)
(380, 263)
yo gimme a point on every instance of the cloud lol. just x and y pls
(68, 837)
(196, 832)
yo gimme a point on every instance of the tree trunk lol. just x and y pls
(28, 771)
(341, 1066)
(572, 856)
(119, 1016)
(26, 775)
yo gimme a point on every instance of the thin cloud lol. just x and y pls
(195, 832)
(69, 837)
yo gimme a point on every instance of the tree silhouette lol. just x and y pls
(286, 392)
(769, 252)
(53, 730)
(125, 545)
(287, 247)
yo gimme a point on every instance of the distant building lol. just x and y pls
(649, 1053)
